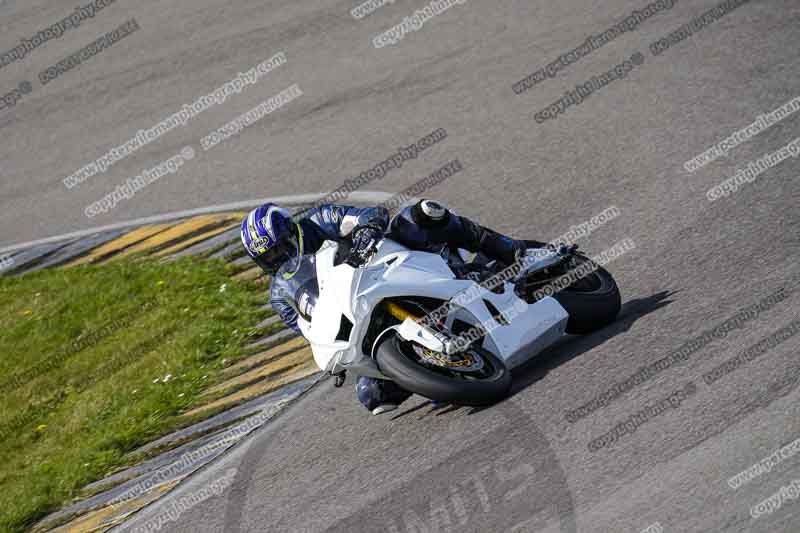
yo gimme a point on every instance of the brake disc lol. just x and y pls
(466, 361)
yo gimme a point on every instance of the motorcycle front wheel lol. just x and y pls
(406, 365)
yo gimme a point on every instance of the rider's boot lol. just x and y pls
(379, 395)
(500, 247)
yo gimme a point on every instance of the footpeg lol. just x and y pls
(339, 379)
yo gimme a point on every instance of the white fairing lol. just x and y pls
(397, 271)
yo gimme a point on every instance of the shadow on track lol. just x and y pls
(562, 352)
(572, 346)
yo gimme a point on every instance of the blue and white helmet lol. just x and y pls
(268, 236)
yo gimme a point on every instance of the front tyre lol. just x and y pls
(400, 360)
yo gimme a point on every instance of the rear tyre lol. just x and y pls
(592, 302)
(397, 360)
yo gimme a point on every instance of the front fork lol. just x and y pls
(397, 312)
(411, 329)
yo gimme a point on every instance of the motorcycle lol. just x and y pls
(445, 325)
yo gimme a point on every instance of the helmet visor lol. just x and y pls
(271, 260)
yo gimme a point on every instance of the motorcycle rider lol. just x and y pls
(273, 238)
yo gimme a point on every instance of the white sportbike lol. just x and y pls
(441, 325)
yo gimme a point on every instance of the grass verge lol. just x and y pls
(99, 360)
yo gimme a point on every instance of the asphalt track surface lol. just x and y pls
(326, 464)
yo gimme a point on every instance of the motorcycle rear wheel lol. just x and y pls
(592, 302)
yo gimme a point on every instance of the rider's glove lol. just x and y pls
(365, 239)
